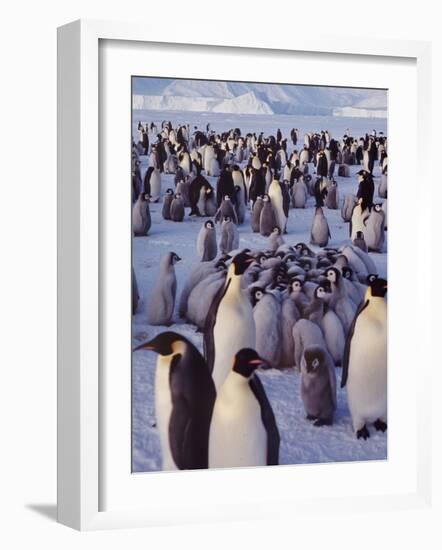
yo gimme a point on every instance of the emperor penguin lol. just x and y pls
(168, 198)
(299, 194)
(306, 334)
(141, 220)
(155, 185)
(347, 207)
(229, 236)
(238, 180)
(226, 209)
(360, 241)
(256, 214)
(275, 239)
(318, 385)
(201, 298)
(267, 315)
(280, 204)
(177, 208)
(184, 400)
(240, 204)
(319, 232)
(161, 300)
(382, 189)
(358, 220)
(230, 325)
(267, 219)
(332, 198)
(365, 362)
(290, 314)
(206, 242)
(340, 300)
(374, 229)
(243, 431)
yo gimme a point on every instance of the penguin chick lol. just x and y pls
(318, 385)
(161, 300)
(267, 316)
(275, 240)
(141, 220)
(206, 242)
(229, 236)
(168, 198)
(319, 232)
(177, 208)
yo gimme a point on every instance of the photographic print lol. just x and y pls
(259, 274)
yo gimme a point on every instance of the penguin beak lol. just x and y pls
(259, 363)
(144, 345)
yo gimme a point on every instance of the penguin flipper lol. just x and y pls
(180, 435)
(346, 357)
(268, 419)
(209, 341)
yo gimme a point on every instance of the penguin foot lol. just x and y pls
(323, 422)
(363, 433)
(380, 425)
(311, 417)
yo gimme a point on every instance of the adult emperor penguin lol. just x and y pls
(184, 400)
(168, 198)
(141, 220)
(280, 203)
(177, 208)
(161, 300)
(230, 325)
(365, 362)
(318, 385)
(206, 242)
(243, 431)
(319, 232)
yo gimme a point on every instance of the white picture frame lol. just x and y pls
(80, 394)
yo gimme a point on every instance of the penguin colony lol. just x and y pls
(310, 307)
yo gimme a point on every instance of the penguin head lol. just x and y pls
(256, 294)
(247, 361)
(276, 230)
(347, 273)
(227, 219)
(174, 258)
(169, 192)
(241, 262)
(332, 274)
(313, 360)
(209, 224)
(266, 198)
(227, 198)
(177, 195)
(371, 277)
(164, 343)
(295, 285)
(321, 291)
(378, 208)
(378, 287)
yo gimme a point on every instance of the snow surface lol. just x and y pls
(255, 98)
(301, 442)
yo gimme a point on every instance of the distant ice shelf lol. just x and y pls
(358, 112)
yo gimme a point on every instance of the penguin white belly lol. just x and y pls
(163, 410)
(234, 329)
(367, 372)
(276, 197)
(237, 435)
(155, 186)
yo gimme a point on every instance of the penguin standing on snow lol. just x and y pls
(141, 220)
(365, 189)
(319, 232)
(365, 362)
(206, 242)
(275, 240)
(155, 185)
(229, 236)
(184, 400)
(168, 198)
(267, 219)
(318, 385)
(374, 229)
(161, 300)
(224, 186)
(267, 315)
(177, 208)
(240, 205)
(243, 431)
(347, 207)
(256, 214)
(229, 325)
(280, 201)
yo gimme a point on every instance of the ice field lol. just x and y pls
(301, 442)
